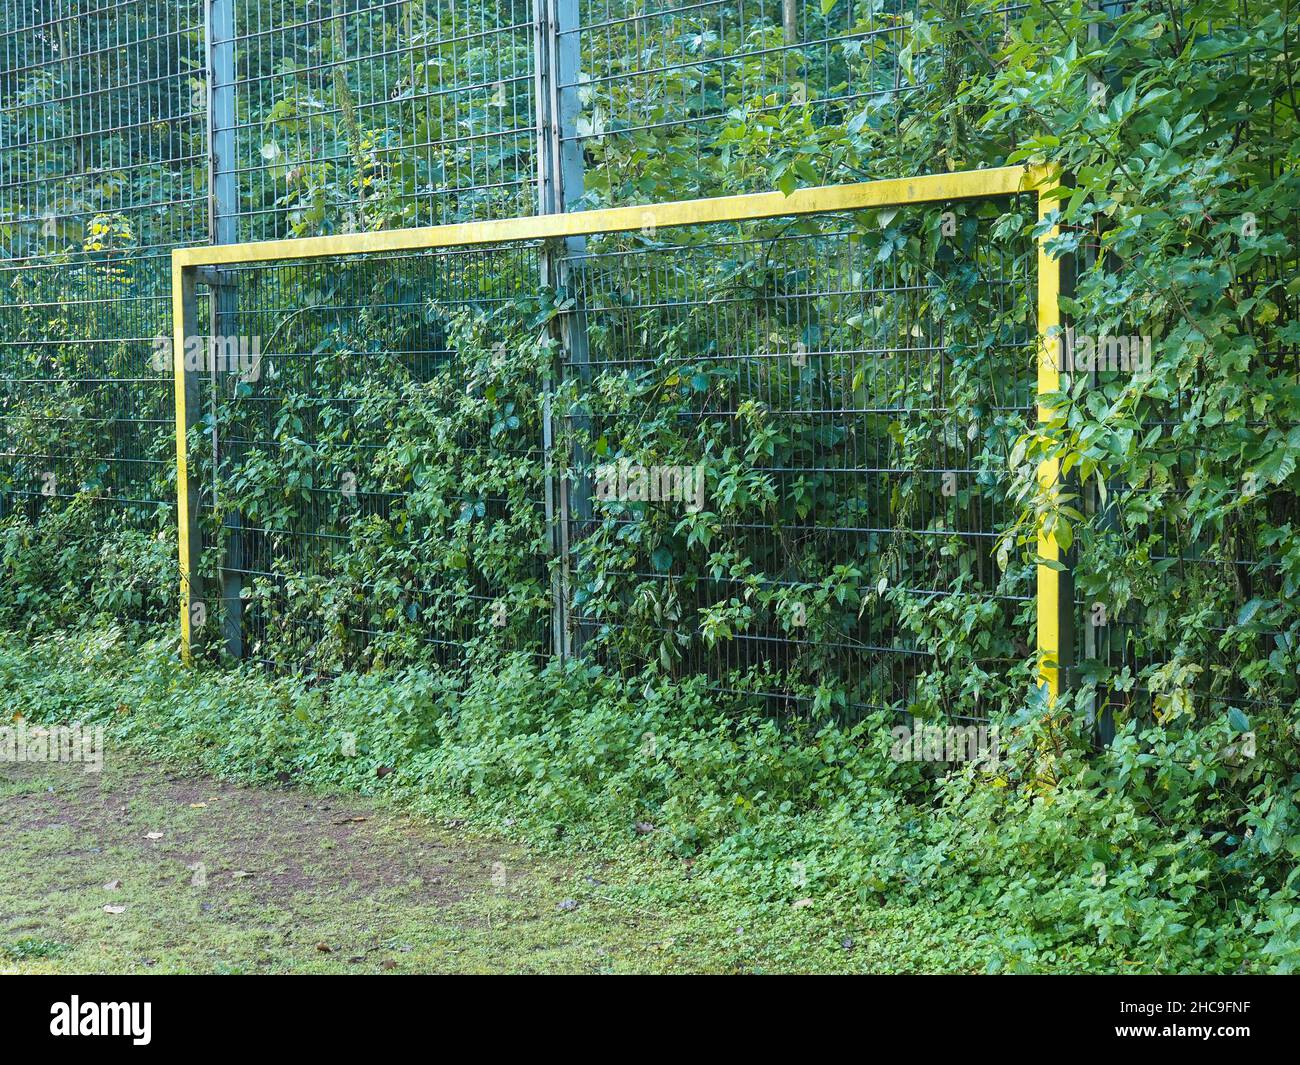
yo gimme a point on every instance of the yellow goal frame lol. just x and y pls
(1054, 609)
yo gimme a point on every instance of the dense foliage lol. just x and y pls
(1176, 127)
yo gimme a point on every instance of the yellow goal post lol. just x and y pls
(1054, 608)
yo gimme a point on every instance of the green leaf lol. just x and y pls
(1064, 532)
(1250, 610)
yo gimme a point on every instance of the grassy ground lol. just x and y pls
(216, 878)
(212, 878)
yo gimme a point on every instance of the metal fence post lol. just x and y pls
(193, 608)
(1054, 579)
(223, 192)
(223, 220)
(790, 20)
(559, 187)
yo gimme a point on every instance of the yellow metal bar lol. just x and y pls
(180, 320)
(1000, 181)
(1051, 649)
(966, 184)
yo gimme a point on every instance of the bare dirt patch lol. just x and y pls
(281, 841)
(140, 869)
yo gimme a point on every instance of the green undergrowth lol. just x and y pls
(811, 838)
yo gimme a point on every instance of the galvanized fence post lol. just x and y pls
(223, 221)
(559, 187)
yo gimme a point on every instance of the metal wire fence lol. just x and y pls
(672, 94)
(102, 163)
(797, 440)
(129, 129)
(370, 461)
(1142, 657)
(380, 114)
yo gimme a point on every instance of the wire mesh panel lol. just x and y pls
(713, 96)
(380, 114)
(1145, 660)
(1181, 616)
(373, 483)
(102, 156)
(1181, 593)
(796, 440)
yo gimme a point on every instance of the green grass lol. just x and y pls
(324, 892)
(340, 884)
(489, 799)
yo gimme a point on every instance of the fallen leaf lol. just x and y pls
(351, 820)
(198, 806)
(115, 909)
(388, 963)
(324, 948)
(382, 771)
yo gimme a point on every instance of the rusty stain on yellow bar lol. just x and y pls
(894, 192)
